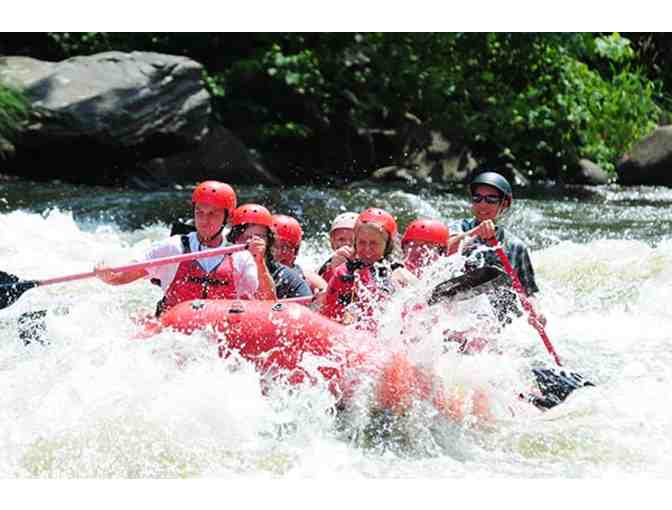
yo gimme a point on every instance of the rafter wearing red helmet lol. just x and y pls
(423, 243)
(254, 223)
(224, 277)
(288, 234)
(361, 285)
(426, 240)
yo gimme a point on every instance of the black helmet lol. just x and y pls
(493, 179)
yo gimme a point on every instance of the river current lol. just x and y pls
(93, 404)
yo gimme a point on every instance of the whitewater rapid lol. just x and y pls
(94, 403)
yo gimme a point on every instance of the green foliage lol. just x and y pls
(614, 48)
(216, 84)
(594, 116)
(71, 44)
(611, 114)
(539, 101)
(14, 111)
(528, 99)
(81, 43)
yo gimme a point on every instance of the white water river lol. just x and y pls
(94, 404)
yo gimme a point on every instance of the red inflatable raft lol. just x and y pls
(275, 336)
(278, 337)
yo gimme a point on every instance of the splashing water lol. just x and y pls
(92, 402)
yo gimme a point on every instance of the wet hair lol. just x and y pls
(235, 232)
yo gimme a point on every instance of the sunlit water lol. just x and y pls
(94, 403)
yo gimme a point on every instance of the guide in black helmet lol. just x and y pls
(491, 197)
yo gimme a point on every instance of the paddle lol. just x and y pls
(468, 285)
(10, 292)
(518, 287)
(461, 287)
(301, 300)
(555, 386)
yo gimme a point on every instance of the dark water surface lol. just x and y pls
(542, 216)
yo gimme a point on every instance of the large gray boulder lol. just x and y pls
(221, 156)
(591, 173)
(649, 161)
(139, 119)
(115, 99)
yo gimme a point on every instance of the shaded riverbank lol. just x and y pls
(150, 110)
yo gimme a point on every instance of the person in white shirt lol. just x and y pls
(234, 276)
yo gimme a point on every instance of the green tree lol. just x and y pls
(14, 111)
(323, 103)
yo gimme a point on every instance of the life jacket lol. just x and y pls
(326, 271)
(356, 283)
(193, 282)
(416, 269)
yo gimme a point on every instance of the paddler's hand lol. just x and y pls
(257, 247)
(319, 299)
(402, 277)
(540, 318)
(485, 230)
(104, 274)
(342, 255)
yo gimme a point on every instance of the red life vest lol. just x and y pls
(414, 267)
(193, 282)
(355, 284)
(326, 271)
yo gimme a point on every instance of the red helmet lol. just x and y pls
(430, 231)
(215, 193)
(379, 217)
(287, 228)
(252, 214)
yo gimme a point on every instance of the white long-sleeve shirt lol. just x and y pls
(244, 267)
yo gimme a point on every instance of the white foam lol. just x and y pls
(94, 403)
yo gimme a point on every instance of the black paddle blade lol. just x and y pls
(10, 292)
(469, 284)
(556, 385)
(6, 278)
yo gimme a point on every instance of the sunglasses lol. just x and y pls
(477, 198)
